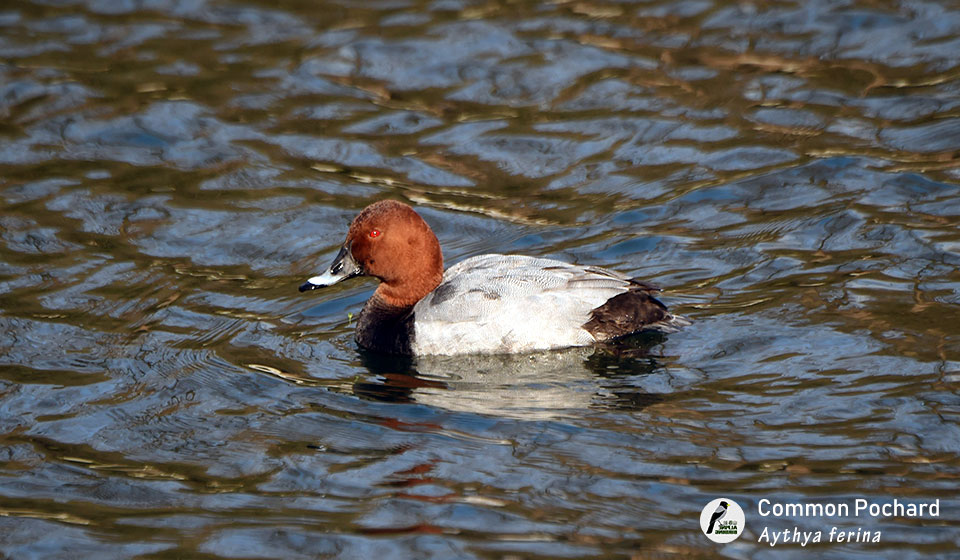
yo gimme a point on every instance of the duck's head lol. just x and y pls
(389, 241)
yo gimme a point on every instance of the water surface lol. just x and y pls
(170, 172)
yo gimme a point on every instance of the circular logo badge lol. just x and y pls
(722, 520)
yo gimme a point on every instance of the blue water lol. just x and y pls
(170, 172)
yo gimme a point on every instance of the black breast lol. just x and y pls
(384, 328)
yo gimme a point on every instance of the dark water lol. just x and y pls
(171, 171)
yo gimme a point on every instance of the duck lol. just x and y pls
(486, 304)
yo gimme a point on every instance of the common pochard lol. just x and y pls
(489, 304)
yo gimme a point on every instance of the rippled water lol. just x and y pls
(170, 172)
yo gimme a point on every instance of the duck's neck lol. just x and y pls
(404, 292)
(386, 322)
(386, 326)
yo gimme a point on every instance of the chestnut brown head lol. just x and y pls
(390, 241)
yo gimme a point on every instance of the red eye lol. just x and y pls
(374, 233)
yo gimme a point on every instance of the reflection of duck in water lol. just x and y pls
(536, 386)
(717, 516)
(490, 304)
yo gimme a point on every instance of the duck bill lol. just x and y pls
(343, 267)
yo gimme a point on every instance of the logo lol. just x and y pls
(722, 520)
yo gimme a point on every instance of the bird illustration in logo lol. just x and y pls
(721, 510)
